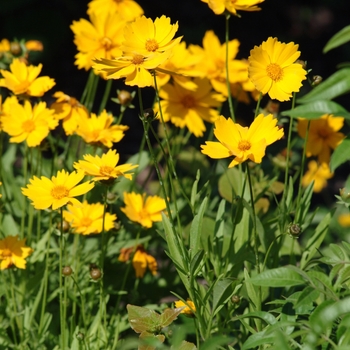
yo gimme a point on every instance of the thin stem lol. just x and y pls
(24, 202)
(62, 301)
(258, 106)
(105, 95)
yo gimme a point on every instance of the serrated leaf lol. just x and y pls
(279, 277)
(150, 341)
(341, 154)
(317, 109)
(340, 38)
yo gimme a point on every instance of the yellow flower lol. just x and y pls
(145, 37)
(344, 220)
(88, 218)
(69, 110)
(273, 70)
(323, 135)
(24, 79)
(132, 66)
(57, 192)
(242, 142)
(5, 45)
(189, 108)
(99, 130)
(144, 211)
(128, 9)
(27, 123)
(34, 45)
(141, 261)
(100, 38)
(317, 173)
(13, 251)
(105, 167)
(219, 6)
(188, 308)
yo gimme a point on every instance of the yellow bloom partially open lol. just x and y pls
(144, 211)
(87, 219)
(104, 167)
(24, 79)
(319, 173)
(242, 142)
(188, 308)
(141, 261)
(57, 192)
(273, 69)
(219, 6)
(13, 251)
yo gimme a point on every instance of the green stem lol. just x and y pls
(229, 96)
(62, 301)
(24, 202)
(15, 311)
(258, 106)
(105, 96)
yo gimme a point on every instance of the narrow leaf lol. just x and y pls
(340, 38)
(222, 291)
(196, 228)
(341, 154)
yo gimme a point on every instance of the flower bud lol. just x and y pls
(303, 63)
(148, 113)
(124, 97)
(344, 194)
(65, 226)
(67, 271)
(316, 80)
(80, 336)
(15, 48)
(235, 299)
(294, 230)
(95, 274)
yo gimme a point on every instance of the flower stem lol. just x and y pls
(62, 301)
(105, 95)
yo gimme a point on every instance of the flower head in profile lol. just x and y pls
(323, 136)
(88, 218)
(13, 252)
(219, 6)
(188, 108)
(69, 110)
(24, 79)
(140, 261)
(273, 69)
(27, 123)
(99, 130)
(242, 142)
(143, 210)
(319, 173)
(188, 308)
(57, 192)
(104, 168)
(100, 38)
(127, 9)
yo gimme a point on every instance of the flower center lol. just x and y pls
(106, 43)
(274, 71)
(96, 134)
(28, 126)
(86, 222)
(151, 45)
(59, 192)
(6, 253)
(188, 101)
(118, 1)
(138, 59)
(244, 145)
(322, 133)
(73, 101)
(106, 170)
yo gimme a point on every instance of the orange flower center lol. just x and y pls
(73, 101)
(86, 222)
(28, 126)
(138, 59)
(106, 43)
(244, 145)
(106, 170)
(220, 65)
(322, 133)
(118, 1)
(96, 134)
(188, 101)
(59, 192)
(6, 253)
(151, 45)
(274, 71)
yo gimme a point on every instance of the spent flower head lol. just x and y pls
(13, 252)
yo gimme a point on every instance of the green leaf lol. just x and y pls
(196, 228)
(263, 315)
(142, 319)
(279, 277)
(250, 289)
(340, 38)
(185, 345)
(341, 154)
(336, 85)
(316, 109)
(222, 291)
(168, 316)
(215, 341)
(257, 339)
(307, 296)
(197, 262)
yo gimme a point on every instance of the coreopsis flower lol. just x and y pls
(319, 173)
(187, 108)
(88, 218)
(5, 45)
(188, 308)
(104, 168)
(99, 130)
(242, 142)
(57, 192)
(100, 38)
(132, 66)
(27, 123)
(13, 251)
(34, 45)
(323, 136)
(141, 260)
(344, 220)
(128, 9)
(143, 210)
(70, 111)
(145, 37)
(219, 6)
(24, 79)
(274, 70)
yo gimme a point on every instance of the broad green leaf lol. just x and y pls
(196, 228)
(214, 342)
(317, 109)
(279, 277)
(281, 341)
(336, 85)
(231, 183)
(341, 154)
(263, 315)
(168, 316)
(142, 319)
(257, 339)
(307, 296)
(222, 291)
(150, 341)
(338, 39)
